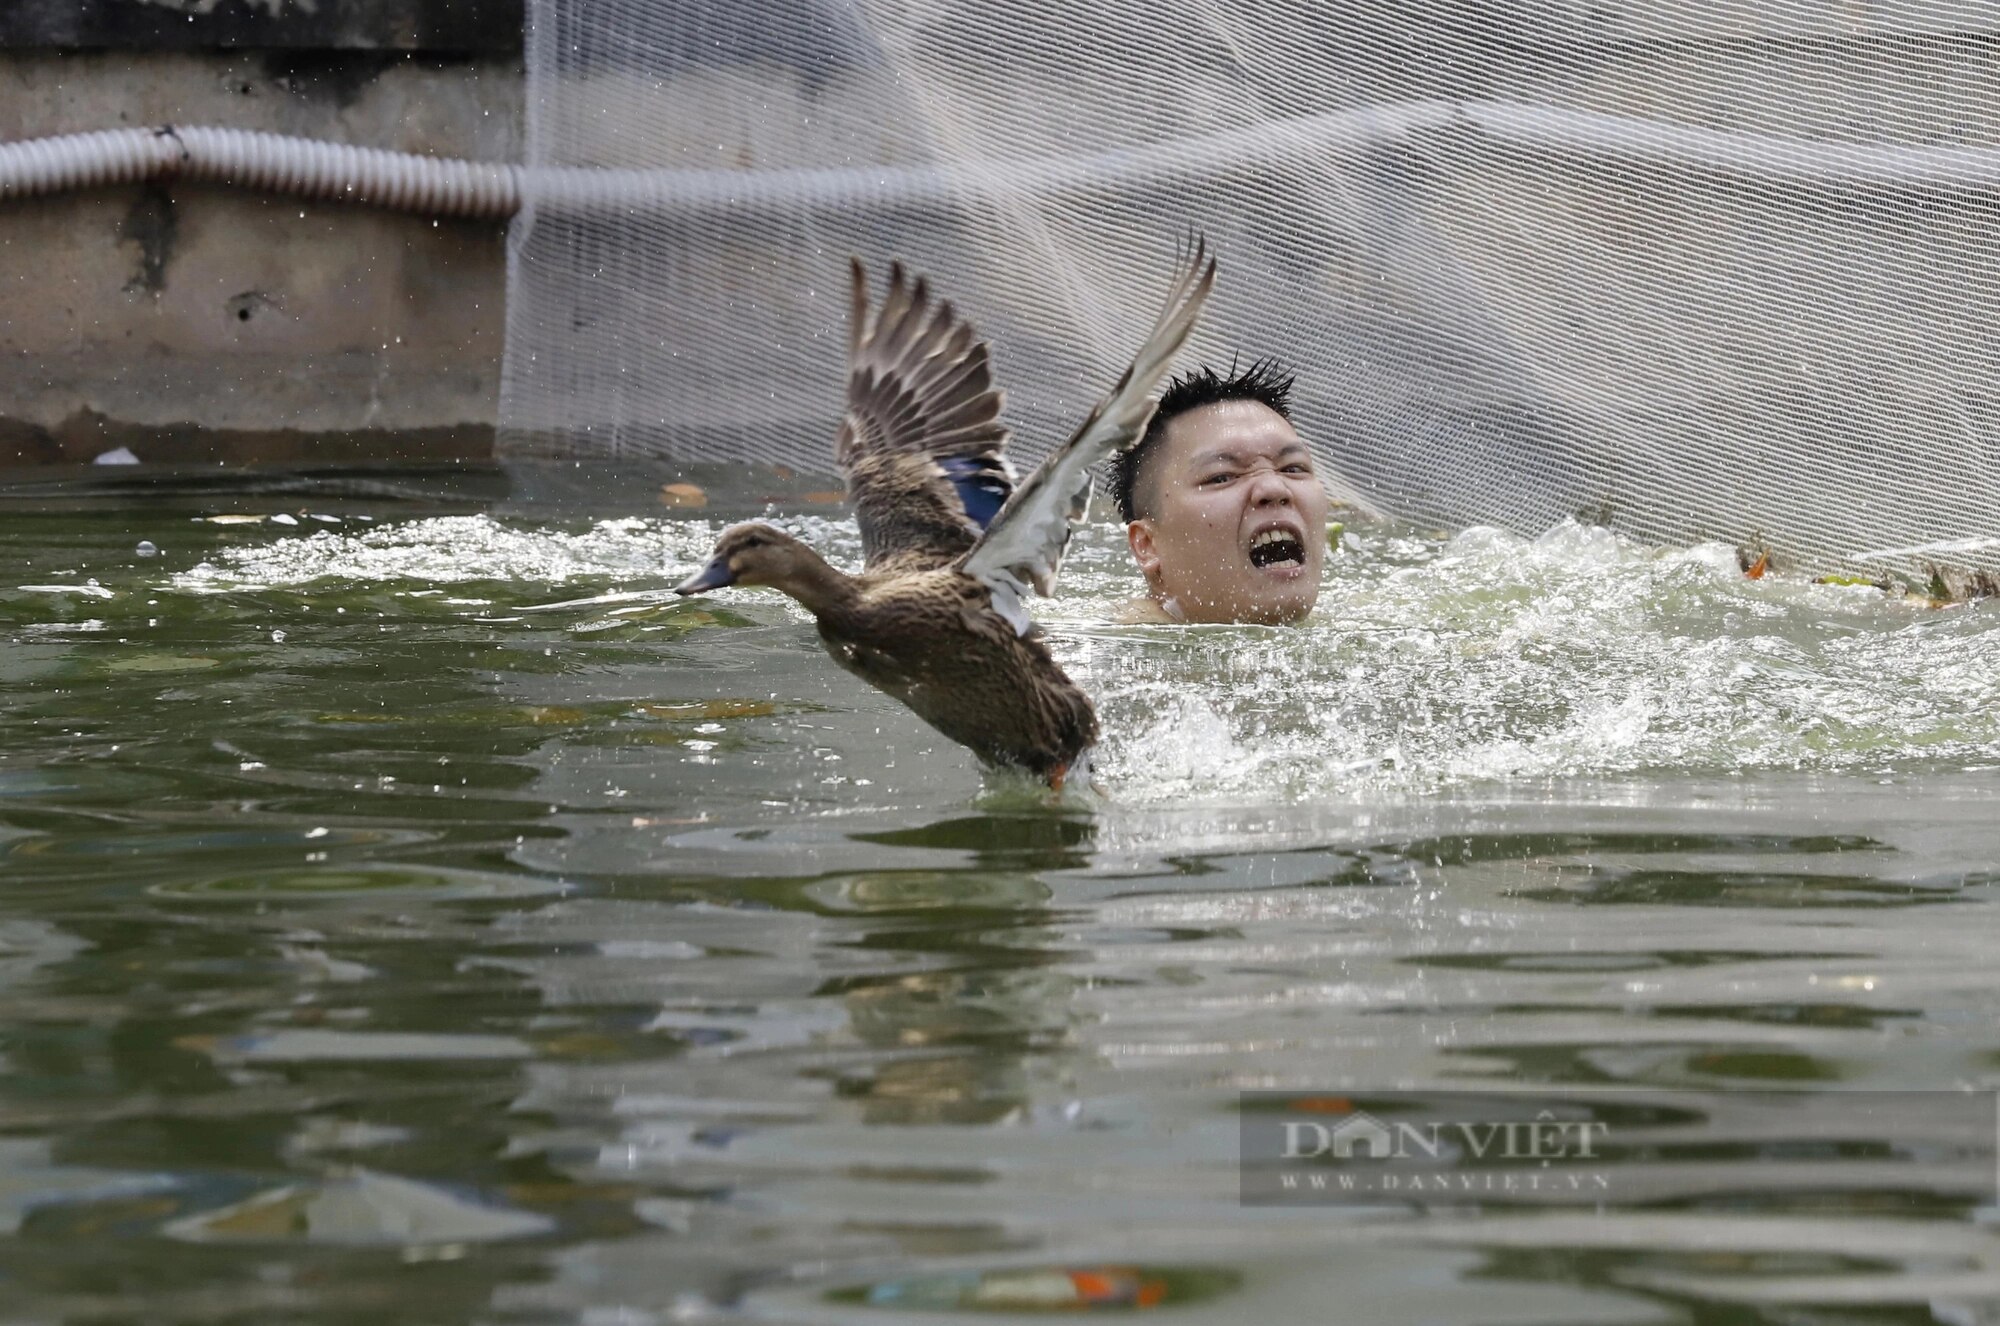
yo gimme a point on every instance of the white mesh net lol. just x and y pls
(1710, 270)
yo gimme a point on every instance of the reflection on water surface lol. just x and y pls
(429, 917)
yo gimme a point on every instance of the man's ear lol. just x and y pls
(1139, 537)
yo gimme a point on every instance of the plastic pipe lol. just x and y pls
(444, 186)
(404, 181)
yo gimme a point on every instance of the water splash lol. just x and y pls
(454, 549)
(1431, 660)
(1436, 660)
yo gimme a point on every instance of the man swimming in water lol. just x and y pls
(1222, 509)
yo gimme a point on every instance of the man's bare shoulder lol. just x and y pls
(1145, 612)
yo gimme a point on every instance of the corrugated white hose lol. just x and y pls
(435, 186)
(444, 186)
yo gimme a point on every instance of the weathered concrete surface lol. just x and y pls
(489, 26)
(190, 323)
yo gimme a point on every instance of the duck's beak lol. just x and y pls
(713, 576)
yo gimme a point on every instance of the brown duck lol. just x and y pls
(951, 546)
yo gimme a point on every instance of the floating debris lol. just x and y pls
(1956, 584)
(1044, 1289)
(682, 494)
(1756, 558)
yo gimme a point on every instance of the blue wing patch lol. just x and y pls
(983, 486)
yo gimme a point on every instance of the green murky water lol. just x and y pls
(420, 916)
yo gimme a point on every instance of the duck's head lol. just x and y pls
(752, 554)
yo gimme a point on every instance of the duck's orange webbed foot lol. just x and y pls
(1056, 776)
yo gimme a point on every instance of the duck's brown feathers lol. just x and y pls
(932, 640)
(923, 450)
(920, 395)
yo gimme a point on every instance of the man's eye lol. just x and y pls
(1298, 469)
(1213, 479)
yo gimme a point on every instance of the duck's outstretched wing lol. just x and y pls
(922, 446)
(1024, 545)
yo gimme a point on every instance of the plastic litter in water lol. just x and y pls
(1045, 1289)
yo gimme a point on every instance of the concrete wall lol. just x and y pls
(193, 323)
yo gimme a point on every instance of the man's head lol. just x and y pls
(1223, 511)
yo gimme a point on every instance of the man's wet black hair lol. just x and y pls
(1265, 382)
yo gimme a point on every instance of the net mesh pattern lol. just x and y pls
(1704, 270)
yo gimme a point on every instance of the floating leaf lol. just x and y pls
(682, 494)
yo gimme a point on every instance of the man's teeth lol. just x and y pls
(1276, 545)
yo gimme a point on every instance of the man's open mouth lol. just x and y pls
(1275, 547)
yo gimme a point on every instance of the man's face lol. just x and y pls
(1233, 523)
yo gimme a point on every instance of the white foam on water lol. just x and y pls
(454, 549)
(1431, 659)
(1435, 660)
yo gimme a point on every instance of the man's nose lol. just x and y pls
(1270, 489)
